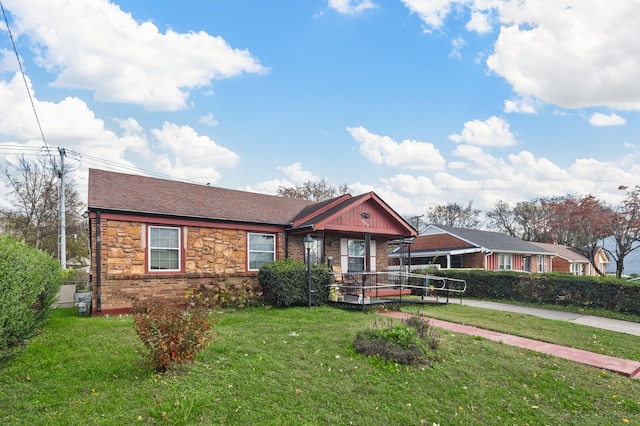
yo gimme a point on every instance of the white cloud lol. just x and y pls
(458, 44)
(208, 119)
(494, 131)
(432, 12)
(599, 120)
(297, 174)
(594, 60)
(187, 154)
(480, 22)
(413, 185)
(523, 105)
(351, 7)
(94, 45)
(8, 61)
(408, 154)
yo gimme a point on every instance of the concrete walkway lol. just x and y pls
(624, 367)
(588, 320)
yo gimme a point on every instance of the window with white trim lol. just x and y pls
(262, 250)
(164, 248)
(356, 253)
(541, 260)
(504, 261)
(577, 269)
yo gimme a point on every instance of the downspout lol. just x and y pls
(98, 263)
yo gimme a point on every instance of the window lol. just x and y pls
(164, 248)
(578, 269)
(504, 261)
(527, 264)
(541, 263)
(315, 252)
(262, 250)
(356, 255)
(456, 261)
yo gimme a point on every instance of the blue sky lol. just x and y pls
(423, 102)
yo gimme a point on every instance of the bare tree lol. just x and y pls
(502, 218)
(456, 215)
(33, 215)
(625, 227)
(313, 190)
(34, 200)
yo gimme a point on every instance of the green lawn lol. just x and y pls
(295, 366)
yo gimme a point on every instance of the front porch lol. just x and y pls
(389, 287)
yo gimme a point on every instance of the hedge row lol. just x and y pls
(29, 283)
(594, 292)
(284, 283)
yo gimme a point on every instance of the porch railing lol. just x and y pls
(370, 283)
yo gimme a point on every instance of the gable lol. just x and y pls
(366, 213)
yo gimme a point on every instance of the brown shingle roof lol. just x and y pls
(140, 194)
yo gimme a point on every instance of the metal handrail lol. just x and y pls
(366, 281)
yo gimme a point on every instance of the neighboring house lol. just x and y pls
(159, 238)
(572, 261)
(449, 247)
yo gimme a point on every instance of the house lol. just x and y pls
(572, 261)
(156, 237)
(449, 247)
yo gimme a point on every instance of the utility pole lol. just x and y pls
(63, 231)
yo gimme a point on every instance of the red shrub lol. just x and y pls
(171, 334)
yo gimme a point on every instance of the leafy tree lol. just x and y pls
(313, 190)
(532, 218)
(580, 223)
(32, 215)
(625, 227)
(456, 215)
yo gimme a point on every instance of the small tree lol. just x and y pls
(456, 215)
(313, 190)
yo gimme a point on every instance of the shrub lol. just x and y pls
(171, 334)
(29, 283)
(225, 294)
(406, 343)
(551, 288)
(284, 282)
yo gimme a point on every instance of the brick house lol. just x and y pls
(449, 247)
(571, 261)
(156, 237)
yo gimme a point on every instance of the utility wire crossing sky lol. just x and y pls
(424, 102)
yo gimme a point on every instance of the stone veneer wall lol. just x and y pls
(210, 254)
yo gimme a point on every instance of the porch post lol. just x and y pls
(320, 237)
(367, 252)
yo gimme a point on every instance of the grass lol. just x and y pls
(590, 339)
(296, 366)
